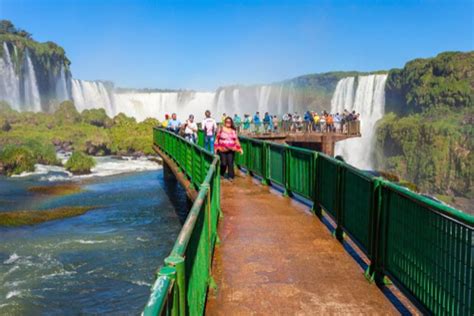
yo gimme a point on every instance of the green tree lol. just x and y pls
(80, 163)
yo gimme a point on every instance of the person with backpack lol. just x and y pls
(209, 126)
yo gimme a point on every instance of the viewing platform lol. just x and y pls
(306, 135)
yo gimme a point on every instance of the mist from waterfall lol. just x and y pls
(368, 99)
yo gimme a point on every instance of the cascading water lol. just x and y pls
(61, 86)
(9, 80)
(91, 95)
(31, 91)
(156, 104)
(343, 97)
(369, 101)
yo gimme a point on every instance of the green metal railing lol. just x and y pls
(182, 283)
(426, 248)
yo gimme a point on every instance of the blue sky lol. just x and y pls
(205, 44)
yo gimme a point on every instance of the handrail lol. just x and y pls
(181, 284)
(424, 246)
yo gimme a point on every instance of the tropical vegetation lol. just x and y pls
(35, 137)
(428, 136)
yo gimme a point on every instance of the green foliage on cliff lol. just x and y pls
(436, 153)
(50, 55)
(429, 136)
(446, 80)
(91, 132)
(80, 163)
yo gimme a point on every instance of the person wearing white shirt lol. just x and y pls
(190, 131)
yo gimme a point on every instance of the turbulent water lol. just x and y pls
(367, 97)
(102, 262)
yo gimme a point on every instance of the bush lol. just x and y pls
(96, 117)
(67, 113)
(17, 159)
(44, 153)
(80, 163)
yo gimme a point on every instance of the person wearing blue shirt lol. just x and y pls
(174, 124)
(257, 121)
(267, 121)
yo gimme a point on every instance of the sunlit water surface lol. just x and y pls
(102, 262)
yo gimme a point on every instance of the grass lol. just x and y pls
(61, 189)
(32, 217)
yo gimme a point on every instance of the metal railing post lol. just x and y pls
(338, 205)
(178, 263)
(264, 163)
(374, 234)
(316, 208)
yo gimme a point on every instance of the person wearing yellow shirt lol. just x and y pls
(316, 118)
(164, 124)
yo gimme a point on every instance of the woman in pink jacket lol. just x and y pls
(226, 145)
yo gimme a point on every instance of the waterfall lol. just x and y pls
(220, 104)
(369, 101)
(291, 102)
(236, 101)
(9, 81)
(61, 86)
(280, 101)
(31, 91)
(264, 98)
(343, 97)
(91, 95)
(157, 104)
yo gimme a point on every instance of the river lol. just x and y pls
(102, 262)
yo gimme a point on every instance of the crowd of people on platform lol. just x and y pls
(323, 122)
(223, 140)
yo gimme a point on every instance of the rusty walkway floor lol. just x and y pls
(276, 258)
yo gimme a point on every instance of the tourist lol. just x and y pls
(286, 118)
(174, 124)
(316, 119)
(267, 122)
(209, 126)
(308, 118)
(330, 123)
(247, 122)
(164, 124)
(190, 130)
(275, 123)
(223, 118)
(256, 121)
(237, 121)
(227, 143)
(337, 123)
(322, 122)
